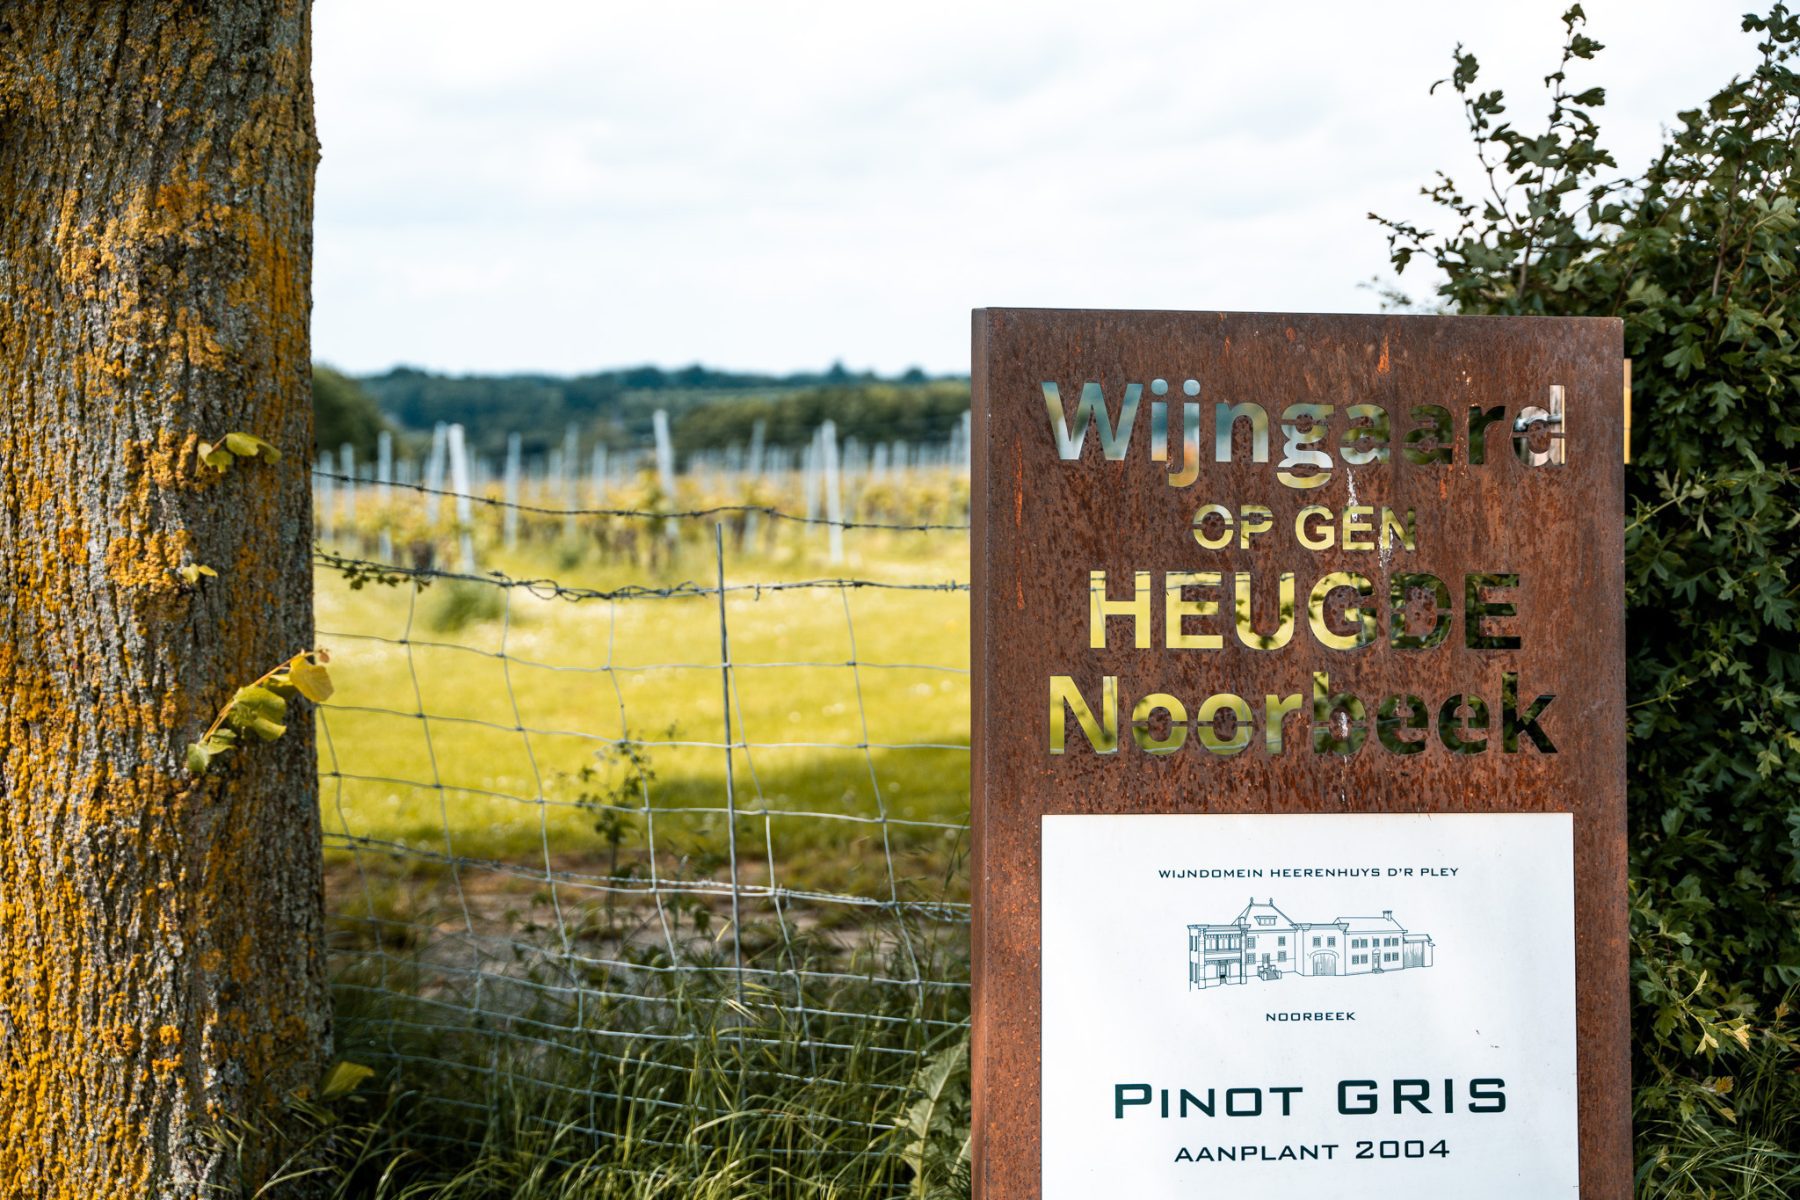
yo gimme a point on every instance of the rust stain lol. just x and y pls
(1019, 522)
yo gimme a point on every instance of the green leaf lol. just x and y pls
(201, 755)
(199, 758)
(259, 701)
(266, 729)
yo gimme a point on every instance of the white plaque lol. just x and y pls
(1350, 1006)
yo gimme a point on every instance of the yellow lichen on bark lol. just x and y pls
(149, 562)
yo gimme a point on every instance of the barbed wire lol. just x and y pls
(645, 514)
(575, 668)
(363, 570)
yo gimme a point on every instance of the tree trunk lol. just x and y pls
(161, 970)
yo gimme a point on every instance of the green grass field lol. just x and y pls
(522, 690)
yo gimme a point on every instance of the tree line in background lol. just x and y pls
(711, 410)
(1697, 254)
(870, 412)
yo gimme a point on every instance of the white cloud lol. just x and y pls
(565, 185)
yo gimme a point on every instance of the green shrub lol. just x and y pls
(1698, 255)
(459, 603)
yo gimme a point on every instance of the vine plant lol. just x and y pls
(259, 709)
(233, 446)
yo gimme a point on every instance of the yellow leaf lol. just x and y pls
(248, 445)
(193, 571)
(306, 671)
(345, 1077)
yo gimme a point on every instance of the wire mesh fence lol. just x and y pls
(650, 816)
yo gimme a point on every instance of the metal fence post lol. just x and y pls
(737, 938)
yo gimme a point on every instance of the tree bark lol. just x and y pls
(161, 964)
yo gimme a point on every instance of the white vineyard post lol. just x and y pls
(597, 475)
(834, 496)
(753, 472)
(665, 471)
(325, 493)
(513, 464)
(459, 483)
(384, 495)
(347, 468)
(571, 479)
(434, 475)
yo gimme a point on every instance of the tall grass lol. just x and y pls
(652, 1084)
(1732, 1136)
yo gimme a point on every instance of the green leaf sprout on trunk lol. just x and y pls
(259, 709)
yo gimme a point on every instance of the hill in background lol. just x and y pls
(708, 409)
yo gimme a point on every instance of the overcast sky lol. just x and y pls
(569, 185)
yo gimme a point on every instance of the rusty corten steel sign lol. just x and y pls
(1299, 768)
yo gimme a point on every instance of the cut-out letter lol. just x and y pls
(1102, 735)
(1114, 439)
(1136, 609)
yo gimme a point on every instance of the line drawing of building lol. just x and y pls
(1263, 942)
